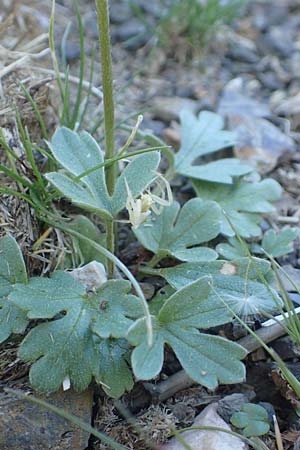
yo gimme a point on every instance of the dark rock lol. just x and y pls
(269, 14)
(72, 51)
(120, 12)
(156, 127)
(280, 40)
(270, 410)
(91, 25)
(154, 8)
(270, 80)
(26, 426)
(286, 348)
(297, 442)
(133, 33)
(233, 403)
(243, 54)
(182, 411)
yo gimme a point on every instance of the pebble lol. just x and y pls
(120, 13)
(169, 108)
(92, 275)
(206, 439)
(72, 51)
(233, 403)
(26, 426)
(280, 40)
(132, 33)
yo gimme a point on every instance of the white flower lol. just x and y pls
(139, 209)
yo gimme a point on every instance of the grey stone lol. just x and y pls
(169, 108)
(236, 101)
(280, 40)
(286, 348)
(26, 426)
(243, 54)
(207, 439)
(72, 51)
(130, 29)
(119, 12)
(260, 142)
(233, 403)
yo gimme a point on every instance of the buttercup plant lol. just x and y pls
(112, 335)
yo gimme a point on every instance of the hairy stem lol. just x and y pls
(109, 112)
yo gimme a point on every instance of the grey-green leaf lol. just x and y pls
(221, 171)
(12, 270)
(207, 359)
(242, 203)
(253, 419)
(83, 252)
(139, 174)
(80, 153)
(236, 283)
(279, 244)
(176, 230)
(111, 368)
(66, 346)
(233, 249)
(203, 135)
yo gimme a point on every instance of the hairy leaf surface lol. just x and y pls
(207, 359)
(201, 136)
(253, 419)
(243, 203)
(111, 368)
(78, 153)
(175, 230)
(235, 282)
(12, 270)
(68, 346)
(281, 243)
(232, 249)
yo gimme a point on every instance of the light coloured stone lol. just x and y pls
(92, 275)
(206, 439)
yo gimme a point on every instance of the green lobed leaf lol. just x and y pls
(207, 359)
(232, 249)
(12, 270)
(201, 136)
(68, 346)
(139, 174)
(175, 230)
(84, 252)
(79, 152)
(242, 202)
(111, 367)
(237, 283)
(279, 244)
(253, 419)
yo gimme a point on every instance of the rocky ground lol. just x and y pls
(249, 73)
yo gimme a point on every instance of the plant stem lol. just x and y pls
(109, 113)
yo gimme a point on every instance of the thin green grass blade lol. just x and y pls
(88, 95)
(75, 115)
(36, 111)
(63, 45)
(53, 53)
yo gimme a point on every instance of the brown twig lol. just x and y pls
(180, 380)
